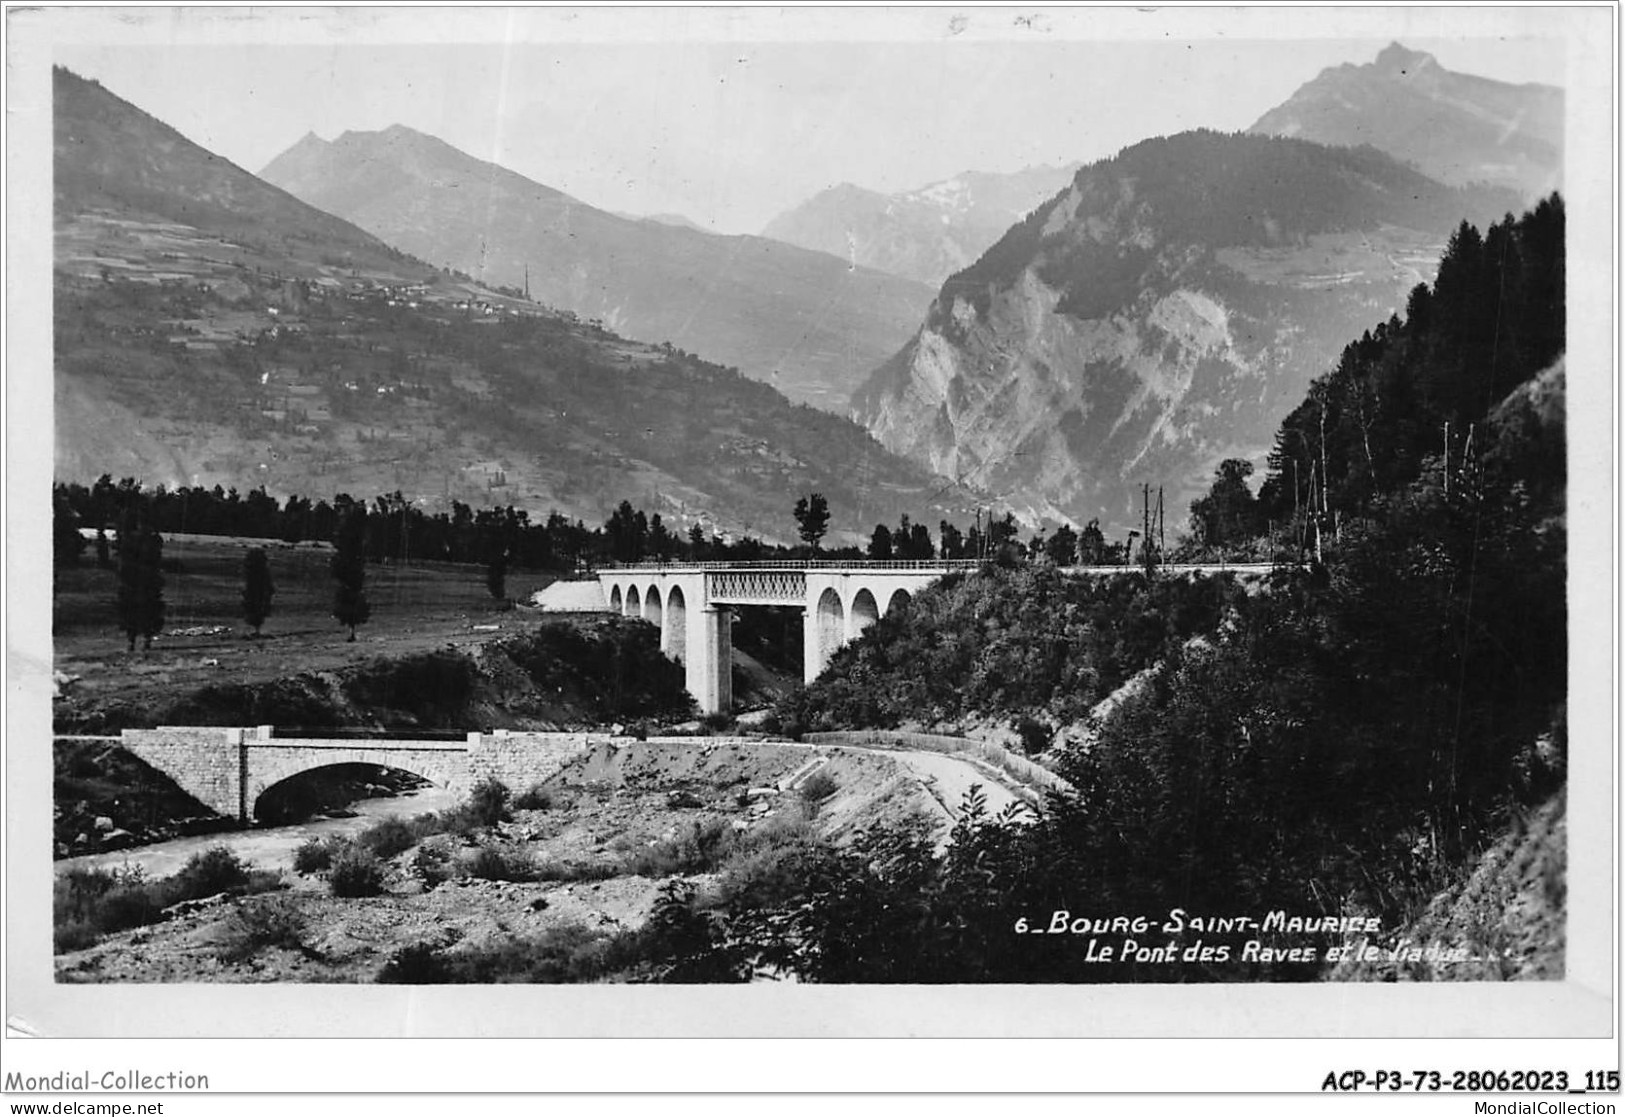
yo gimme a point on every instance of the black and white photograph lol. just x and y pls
(1083, 501)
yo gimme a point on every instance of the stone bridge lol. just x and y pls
(692, 603)
(228, 769)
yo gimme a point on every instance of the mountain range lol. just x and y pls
(210, 328)
(1133, 321)
(807, 322)
(1457, 128)
(925, 234)
(1159, 315)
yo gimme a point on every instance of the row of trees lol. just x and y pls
(394, 529)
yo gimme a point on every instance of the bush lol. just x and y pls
(700, 850)
(209, 873)
(536, 798)
(76, 934)
(418, 963)
(1035, 736)
(497, 863)
(433, 863)
(88, 903)
(389, 837)
(257, 926)
(718, 722)
(315, 855)
(818, 787)
(566, 954)
(488, 802)
(356, 872)
(770, 868)
(577, 870)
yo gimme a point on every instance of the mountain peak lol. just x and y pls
(1456, 128)
(1396, 60)
(310, 141)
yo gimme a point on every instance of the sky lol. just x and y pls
(732, 116)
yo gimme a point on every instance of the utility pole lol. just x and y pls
(1447, 457)
(1145, 524)
(1162, 536)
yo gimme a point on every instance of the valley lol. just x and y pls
(1221, 483)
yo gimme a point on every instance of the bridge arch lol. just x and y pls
(831, 624)
(282, 801)
(864, 613)
(271, 766)
(615, 603)
(651, 605)
(634, 603)
(899, 599)
(674, 633)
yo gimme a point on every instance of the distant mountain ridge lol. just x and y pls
(111, 157)
(1456, 128)
(212, 329)
(925, 234)
(806, 322)
(1157, 316)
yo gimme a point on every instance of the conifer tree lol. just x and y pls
(257, 588)
(812, 519)
(350, 606)
(140, 581)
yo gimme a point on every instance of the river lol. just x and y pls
(269, 848)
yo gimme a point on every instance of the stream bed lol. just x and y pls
(269, 847)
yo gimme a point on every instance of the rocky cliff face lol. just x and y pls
(1457, 128)
(925, 234)
(1159, 315)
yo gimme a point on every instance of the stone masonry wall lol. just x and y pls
(203, 761)
(519, 760)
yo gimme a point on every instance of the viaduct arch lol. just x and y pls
(693, 604)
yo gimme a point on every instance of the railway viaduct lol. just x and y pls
(692, 603)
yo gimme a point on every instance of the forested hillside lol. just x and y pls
(1340, 744)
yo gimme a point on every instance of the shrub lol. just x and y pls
(818, 787)
(488, 802)
(418, 963)
(768, 875)
(315, 855)
(536, 798)
(126, 906)
(256, 926)
(433, 863)
(356, 872)
(577, 870)
(76, 934)
(389, 837)
(94, 902)
(718, 722)
(700, 850)
(209, 873)
(1035, 736)
(570, 953)
(491, 862)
